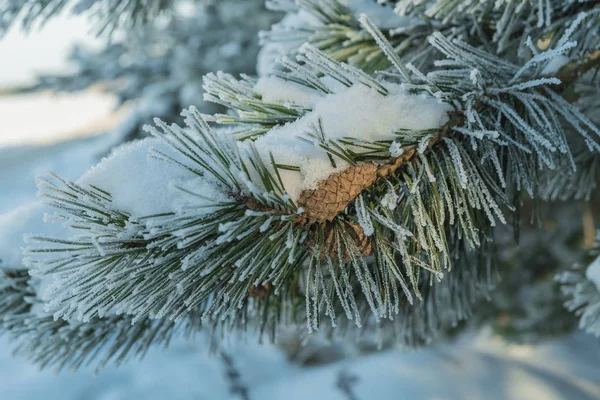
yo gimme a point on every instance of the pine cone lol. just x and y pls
(333, 194)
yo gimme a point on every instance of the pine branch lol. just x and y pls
(446, 304)
(110, 14)
(516, 23)
(581, 289)
(235, 245)
(14, 295)
(58, 344)
(315, 202)
(339, 34)
(350, 183)
(252, 247)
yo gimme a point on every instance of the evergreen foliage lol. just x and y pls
(397, 244)
(581, 287)
(109, 14)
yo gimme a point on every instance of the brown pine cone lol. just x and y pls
(333, 194)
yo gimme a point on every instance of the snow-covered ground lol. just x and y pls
(25, 116)
(472, 368)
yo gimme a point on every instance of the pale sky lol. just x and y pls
(44, 50)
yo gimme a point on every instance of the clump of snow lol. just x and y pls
(363, 113)
(396, 149)
(206, 194)
(23, 220)
(142, 185)
(357, 112)
(593, 272)
(475, 75)
(279, 91)
(555, 64)
(138, 184)
(390, 200)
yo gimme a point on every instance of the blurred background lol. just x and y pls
(67, 98)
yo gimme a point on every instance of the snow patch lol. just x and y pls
(141, 185)
(138, 185)
(357, 112)
(30, 118)
(18, 222)
(279, 91)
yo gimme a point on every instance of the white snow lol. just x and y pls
(349, 113)
(138, 184)
(20, 221)
(475, 368)
(142, 185)
(390, 200)
(555, 64)
(268, 53)
(396, 149)
(279, 91)
(593, 272)
(471, 368)
(183, 372)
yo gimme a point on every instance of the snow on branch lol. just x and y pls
(333, 193)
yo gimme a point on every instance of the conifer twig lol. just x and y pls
(320, 205)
